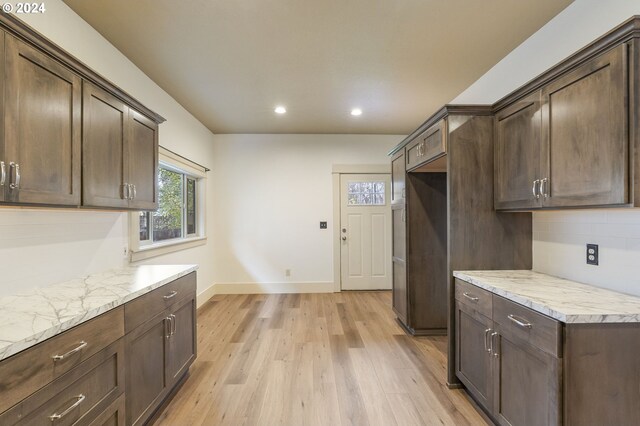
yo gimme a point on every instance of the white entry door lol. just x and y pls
(365, 231)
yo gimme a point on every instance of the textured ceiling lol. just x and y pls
(230, 62)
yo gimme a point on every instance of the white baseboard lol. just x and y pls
(204, 296)
(273, 288)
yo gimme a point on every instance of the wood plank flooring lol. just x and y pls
(314, 359)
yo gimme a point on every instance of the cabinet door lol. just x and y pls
(112, 416)
(142, 148)
(398, 178)
(473, 358)
(400, 290)
(4, 184)
(517, 154)
(42, 127)
(105, 165)
(182, 343)
(526, 383)
(145, 359)
(585, 134)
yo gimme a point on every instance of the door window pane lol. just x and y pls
(191, 206)
(366, 194)
(167, 220)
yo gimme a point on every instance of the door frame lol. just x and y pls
(337, 170)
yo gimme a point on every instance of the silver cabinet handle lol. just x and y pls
(543, 187)
(494, 349)
(132, 191)
(486, 337)
(534, 189)
(167, 327)
(79, 400)
(125, 191)
(519, 321)
(170, 295)
(404, 214)
(14, 170)
(470, 297)
(3, 173)
(173, 324)
(80, 347)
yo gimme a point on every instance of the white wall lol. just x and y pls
(272, 192)
(560, 237)
(39, 247)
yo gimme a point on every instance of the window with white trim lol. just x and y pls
(179, 220)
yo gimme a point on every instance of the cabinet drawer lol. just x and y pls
(521, 322)
(145, 307)
(430, 145)
(26, 372)
(474, 297)
(112, 416)
(78, 396)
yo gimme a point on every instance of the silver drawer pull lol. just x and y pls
(520, 321)
(79, 400)
(470, 297)
(80, 347)
(171, 295)
(3, 173)
(486, 337)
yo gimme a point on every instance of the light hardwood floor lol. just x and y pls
(314, 359)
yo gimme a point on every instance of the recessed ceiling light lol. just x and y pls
(356, 111)
(280, 110)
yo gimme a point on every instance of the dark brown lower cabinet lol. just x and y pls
(526, 369)
(145, 365)
(159, 353)
(474, 363)
(526, 383)
(117, 370)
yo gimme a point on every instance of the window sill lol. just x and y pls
(158, 249)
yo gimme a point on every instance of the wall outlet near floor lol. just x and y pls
(592, 254)
(287, 272)
(323, 225)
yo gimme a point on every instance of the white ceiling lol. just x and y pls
(230, 62)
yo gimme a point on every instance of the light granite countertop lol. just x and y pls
(565, 300)
(29, 318)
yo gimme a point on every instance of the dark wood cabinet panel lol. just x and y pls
(143, 162)
(105, 164)
(429, 145)
(42, 127)
(182, 343)
(145, 366)
(114, 415)
(585, 134)
(427, 252)
(527, 387)
(517, 154)
(400, 289)
(474, 365)
(398, 178)
(4, 183)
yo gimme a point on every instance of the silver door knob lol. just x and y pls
(344, 238)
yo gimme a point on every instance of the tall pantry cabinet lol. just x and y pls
(447, 219)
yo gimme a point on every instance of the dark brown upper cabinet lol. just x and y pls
(428, 146)
(69, 137)
(143, 161)
(568, 143)
(585, 134)
(120, 154)
(517, 154)
(42, 128)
